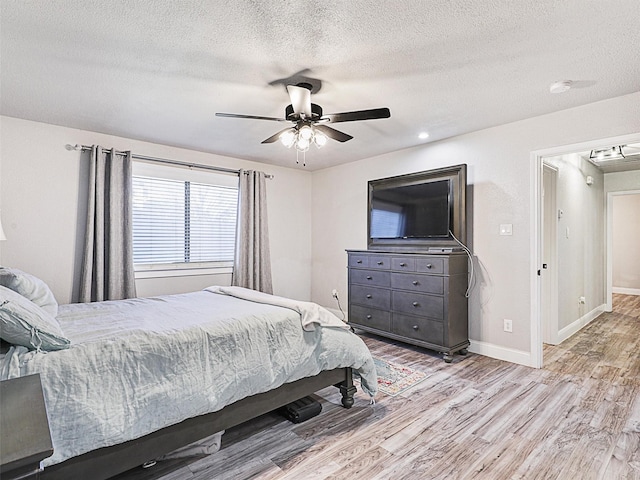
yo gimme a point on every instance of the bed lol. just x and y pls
(139, 378)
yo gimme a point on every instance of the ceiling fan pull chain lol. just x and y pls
(304, 157)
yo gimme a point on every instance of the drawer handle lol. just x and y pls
(368, 296)
(369, 277)
(415, 282)
(358, 261)
(429, 265)
(415, 304)
(380, 263)
(415, 327)
(403, 264)
(368, 317)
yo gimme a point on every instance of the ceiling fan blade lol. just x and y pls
(333, 133)
(252, 117)
(300, 100)
(372, 114)
(276, 136)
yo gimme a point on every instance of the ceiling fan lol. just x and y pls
(309, 122)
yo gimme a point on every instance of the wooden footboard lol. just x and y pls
(109, 461)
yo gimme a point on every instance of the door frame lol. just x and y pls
(536, 239)
(609, 240)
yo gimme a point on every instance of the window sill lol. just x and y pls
(182, 272)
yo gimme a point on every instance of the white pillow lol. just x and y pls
(29, 287)
(22, 322)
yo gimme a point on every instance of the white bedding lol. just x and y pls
(311, 314)
(135, 366)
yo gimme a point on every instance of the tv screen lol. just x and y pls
(411, 211)
(417, 211)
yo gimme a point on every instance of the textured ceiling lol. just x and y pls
(158, 70)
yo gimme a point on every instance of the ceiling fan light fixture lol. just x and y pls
(306, 132)
(288, 138)
(302, 138)
(320, 139)
(303, 144)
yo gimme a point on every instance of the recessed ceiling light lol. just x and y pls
(560, 87)
(423, 135)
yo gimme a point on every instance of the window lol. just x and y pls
(183, 219)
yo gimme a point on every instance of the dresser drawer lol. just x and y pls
(370, 277)
(430, 265)
(403, 264)
(418, 328)
(418, 283)
(380, 262)
(370, 317)
(358, 260)
(419, 304)
(370, 296)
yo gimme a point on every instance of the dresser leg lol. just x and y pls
(448, 358)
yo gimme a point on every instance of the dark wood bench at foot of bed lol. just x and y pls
(109, 461)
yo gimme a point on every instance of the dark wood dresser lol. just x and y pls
(417, 298)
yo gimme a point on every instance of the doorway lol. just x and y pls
(542, 290)
(621, 238)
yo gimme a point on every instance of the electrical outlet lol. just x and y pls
(334, 293)
(508, 325)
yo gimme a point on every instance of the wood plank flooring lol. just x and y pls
(477, 418)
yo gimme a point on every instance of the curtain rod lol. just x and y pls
(83, 148)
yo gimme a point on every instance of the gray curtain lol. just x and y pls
(107, 268)
(252, 267)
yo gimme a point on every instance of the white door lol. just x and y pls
(549, 270)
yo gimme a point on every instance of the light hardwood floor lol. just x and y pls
(477, 418)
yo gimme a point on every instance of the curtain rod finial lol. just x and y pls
(75, 147)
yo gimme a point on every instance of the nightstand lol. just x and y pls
(25, 439)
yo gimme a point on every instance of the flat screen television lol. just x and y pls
(418, 211)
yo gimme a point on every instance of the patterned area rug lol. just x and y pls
(394, 379)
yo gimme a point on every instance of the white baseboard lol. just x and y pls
(626, 291)
(501, 353)
(580, 323)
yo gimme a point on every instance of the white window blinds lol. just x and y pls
(387, 220)
(182, 222)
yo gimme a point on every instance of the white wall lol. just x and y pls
(622, 181)
(581, 238)
(41, 195)
(626, 243)
(499, 170)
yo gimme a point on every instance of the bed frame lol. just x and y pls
(109, 461)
